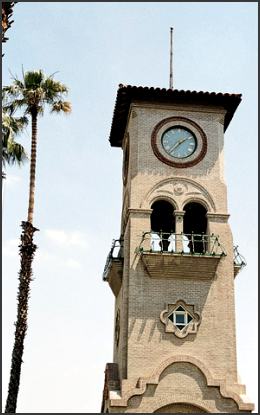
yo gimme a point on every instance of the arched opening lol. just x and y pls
(162, 222)
(195, 226)
(180, 408)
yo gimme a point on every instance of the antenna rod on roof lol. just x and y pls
(171, 83)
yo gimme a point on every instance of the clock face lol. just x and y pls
(179, 142)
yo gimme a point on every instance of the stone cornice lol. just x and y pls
(218, 217)
(139, 211)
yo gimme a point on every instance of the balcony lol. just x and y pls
(239, 261)
(180, 255)
(113, 270)
(174, 256)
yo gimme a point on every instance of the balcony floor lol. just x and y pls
(170, 265)
(114, 275)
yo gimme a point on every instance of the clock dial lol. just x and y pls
(179, 142)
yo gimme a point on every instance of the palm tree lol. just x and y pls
(7, 12)
(31, 95)
(12, 152)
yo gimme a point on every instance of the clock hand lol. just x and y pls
(177, 144)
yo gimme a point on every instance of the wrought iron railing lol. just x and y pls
(180, 243)
(239, 260)
(177, 243)
(115, 253)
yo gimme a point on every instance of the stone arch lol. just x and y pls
(183, 359)
(178, 190)
(199, 200)
(164, 198)
(181, 407)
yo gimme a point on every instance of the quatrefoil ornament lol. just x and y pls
(180, 319)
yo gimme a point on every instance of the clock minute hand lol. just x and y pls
(177, 144)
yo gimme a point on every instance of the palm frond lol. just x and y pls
(33, 79)
(63, 106)
(12, 106)
(18, 124)
(19, 84)
(53, 88)
(15, 124)
(16, 153)
(11, 91)
(33, 92)
(12, 152)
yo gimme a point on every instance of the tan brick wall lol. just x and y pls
(144, 344)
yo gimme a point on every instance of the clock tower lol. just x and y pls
(172, 269)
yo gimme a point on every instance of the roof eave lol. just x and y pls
(127, 94)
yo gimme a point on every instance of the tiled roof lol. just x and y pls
(127, 94)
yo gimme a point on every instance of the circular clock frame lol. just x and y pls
(187, 124)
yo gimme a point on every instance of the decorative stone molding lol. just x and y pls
(190, 318)
(179, 188)
(138, 211)
(218, 217)
(179, 192)
(142, 384)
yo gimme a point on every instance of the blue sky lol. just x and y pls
(94, 47)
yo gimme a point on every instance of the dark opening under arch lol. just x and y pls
(162, 221)
(195, 221)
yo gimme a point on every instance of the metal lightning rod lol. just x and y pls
(171, 82)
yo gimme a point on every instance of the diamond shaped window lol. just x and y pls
(180, 317)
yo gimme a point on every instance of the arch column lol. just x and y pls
(179, 214)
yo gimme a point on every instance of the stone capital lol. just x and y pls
(179, 212)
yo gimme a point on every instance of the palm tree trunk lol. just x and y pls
(32, 169)
(27, 249)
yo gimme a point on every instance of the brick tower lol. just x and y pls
(172, 270)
